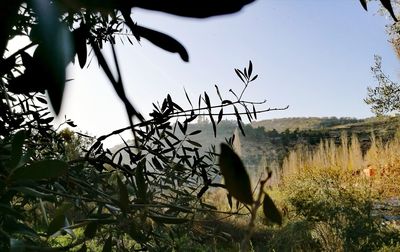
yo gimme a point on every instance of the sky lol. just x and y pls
(313, 55)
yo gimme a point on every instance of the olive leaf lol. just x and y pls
(237, 180)
(271, 212)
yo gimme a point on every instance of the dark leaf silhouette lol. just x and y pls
(202, 191)
(254, 78)
(53, 53)
(79, 36)
(271, 212)
(237, 180)
(197, 9)
(250, 68)
(240, 74)
(364, 4)
(161, 40)
(388, 6)
(220, 115)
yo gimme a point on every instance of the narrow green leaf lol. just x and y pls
(43, 169)
(271, 212)
(237, 180)
(123, 196)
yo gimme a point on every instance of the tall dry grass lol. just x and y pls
(336, 188)
(380, 164)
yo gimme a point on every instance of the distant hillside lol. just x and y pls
(268, 142)
(303, 123)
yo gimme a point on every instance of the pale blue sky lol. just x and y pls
(314, 55)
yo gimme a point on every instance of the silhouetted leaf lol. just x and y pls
(238, 117)
(42, 100)
(271, 212)
(220, 115)
(240, 74)
(195, 132)
(107, 247)
(194, 143)
(187, 97)
(254, 78)
(157, 164)
(218, 93)
(53, 53)
(79, 36)
(237, 180)
(254, 112)
(43, 169)
(207, 100)
(388, 6)
(227, 102)
(182, 128)
(364, 4)
(163, 41)
(250, 71)
(123, 196)
(72, 124)
(197, 9)
(202, 191)
(241, 128)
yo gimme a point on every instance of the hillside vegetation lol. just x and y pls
(268, 142)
